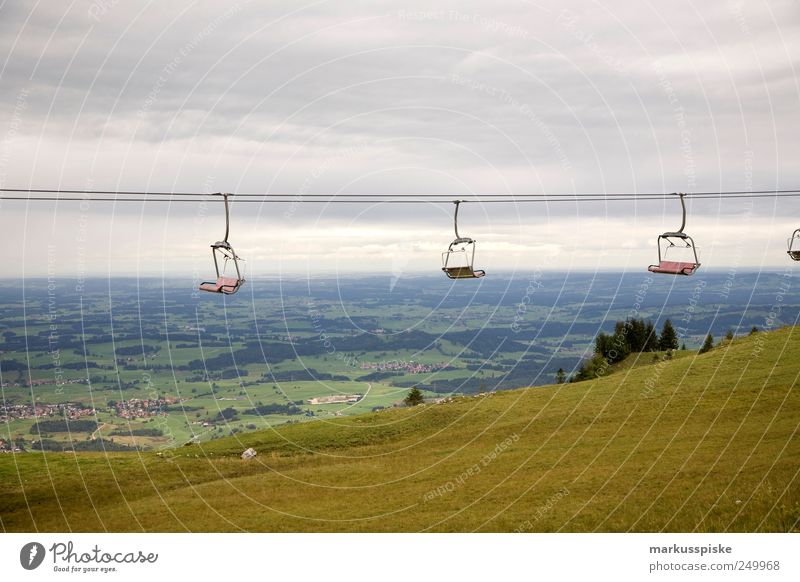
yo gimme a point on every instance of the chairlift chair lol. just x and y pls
(794, 246)
(458, 259)
(676, 243)
(223, 251)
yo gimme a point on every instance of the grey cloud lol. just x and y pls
(493, 97)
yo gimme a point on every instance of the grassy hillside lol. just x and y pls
(707, 443)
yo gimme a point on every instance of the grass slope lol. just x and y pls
(707, 443)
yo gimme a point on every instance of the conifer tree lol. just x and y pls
(414, 397)
(669, 339)
(707, 345)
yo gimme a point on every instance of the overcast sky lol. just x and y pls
(396, 98)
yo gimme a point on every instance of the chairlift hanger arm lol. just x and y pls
(455, 218)
(683, 209)
(227, 214)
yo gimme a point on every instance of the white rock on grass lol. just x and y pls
(249, 454)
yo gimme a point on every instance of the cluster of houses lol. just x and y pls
(193, 328)
(143, 407)
(335, 399)
(410, 367)
(9, 447)
(69, 410)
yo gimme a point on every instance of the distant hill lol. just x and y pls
(696, 443)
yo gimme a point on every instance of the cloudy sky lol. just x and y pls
(399, 98)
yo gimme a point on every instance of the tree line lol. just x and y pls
(635, 336)
(630, 336)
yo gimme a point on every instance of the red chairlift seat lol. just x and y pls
(227, 285)
(674, 268)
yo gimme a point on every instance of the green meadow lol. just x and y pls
(693, 443)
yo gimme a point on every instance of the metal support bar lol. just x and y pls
(227, 218)
(216, 263)
(683, 207)
(455, 218)
(227, 213)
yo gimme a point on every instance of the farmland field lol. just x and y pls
(158, 365)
